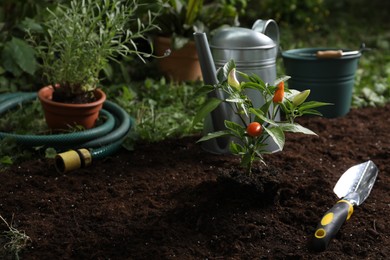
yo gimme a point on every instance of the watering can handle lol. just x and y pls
(267, 27)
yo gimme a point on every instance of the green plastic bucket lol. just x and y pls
(329, 79)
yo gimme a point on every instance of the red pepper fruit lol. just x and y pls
(254, 129)
(279, 93)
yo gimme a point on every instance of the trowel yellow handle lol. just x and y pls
(329, 54)
(330, 224)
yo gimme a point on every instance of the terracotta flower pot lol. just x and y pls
(63, 115)
(180, 65)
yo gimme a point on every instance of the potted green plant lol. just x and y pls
(80, 40)
(178, 21)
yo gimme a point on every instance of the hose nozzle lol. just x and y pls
(72, 160)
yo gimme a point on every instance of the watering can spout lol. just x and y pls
(205, 59)
(216, 120)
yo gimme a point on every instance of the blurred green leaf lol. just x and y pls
(18, 56)
(50, 153)
(6, 160)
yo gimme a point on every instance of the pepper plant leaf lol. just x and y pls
(311, 112)
(228, 67)
(236, 148)
(266, 107)
(260, 115)
(210, 105)
(243, 108)
(253, 85)
(243, 75)
(296, 128)
(235, 100)
(235, 128)
(312, 104)
(277, 134)
(204, 90)
(214, 135)
(246, 160)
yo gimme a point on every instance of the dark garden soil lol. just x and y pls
(172, 200)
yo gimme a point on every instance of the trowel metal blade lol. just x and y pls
(357, 182)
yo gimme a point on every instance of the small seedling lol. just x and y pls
(16, 240)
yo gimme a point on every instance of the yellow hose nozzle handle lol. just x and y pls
(72, 160)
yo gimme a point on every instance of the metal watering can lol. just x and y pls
(254, 52)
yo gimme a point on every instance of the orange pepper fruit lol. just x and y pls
(279, 93)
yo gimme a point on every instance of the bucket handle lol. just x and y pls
(267, 27)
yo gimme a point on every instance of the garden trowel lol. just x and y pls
(352, 188)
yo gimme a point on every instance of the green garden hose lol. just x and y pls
(87, 145)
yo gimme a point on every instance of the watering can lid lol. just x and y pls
(241, 38)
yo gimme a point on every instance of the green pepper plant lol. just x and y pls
(256, 124)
